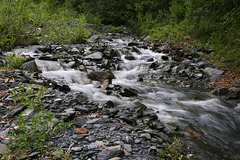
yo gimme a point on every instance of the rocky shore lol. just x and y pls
(108, 129)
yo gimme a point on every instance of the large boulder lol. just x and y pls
(31, 66)
(211, 72)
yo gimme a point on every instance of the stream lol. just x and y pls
(213, 121)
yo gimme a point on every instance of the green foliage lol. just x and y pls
(32, 134)
(114, 28)
(13, 61)
(65, 155)
(174, 150)
(64, 125)
(25, 22)
(28, 96)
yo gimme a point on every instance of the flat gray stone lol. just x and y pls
(212, 72)
(145, 136)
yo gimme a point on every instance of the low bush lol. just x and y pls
(24, 22)
(29, 96)
(173, 150)
(13, 61)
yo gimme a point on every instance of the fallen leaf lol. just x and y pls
(192, 133)
(82, 131)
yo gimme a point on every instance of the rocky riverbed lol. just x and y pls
(110, 88)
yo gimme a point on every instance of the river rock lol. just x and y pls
(220, 91)
(31, 66)
(127, 148)
(95, 56)
(212, 72)
(128, 92)
(101, 76)
(145, 136)
(74, 51)
(47, 65)
(115, 53)
(137, 50)
(165, 58)
(130, 57)
(82, 109)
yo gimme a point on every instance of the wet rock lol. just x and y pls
(153, 65)
(95, 56)
(133, 43)
(101, 76)
(109, 104)
(150, 60)
(43, 65)
(63, 88)
(165, 58)
(167, 68)
(31, 66)
(129, 57)
(115, 53)
(137, 50)
(128, 92)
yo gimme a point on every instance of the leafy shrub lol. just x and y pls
(28, 96)
(13, 61)
(32, 134)
(174, 149)
(24, 22)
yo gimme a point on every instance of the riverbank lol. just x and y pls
(112, 120)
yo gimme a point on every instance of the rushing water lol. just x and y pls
(215, 120)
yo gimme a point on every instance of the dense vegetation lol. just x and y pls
(212, 23)
(25, 22)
